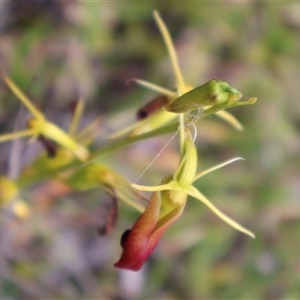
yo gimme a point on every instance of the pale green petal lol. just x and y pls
(163, 187)
(128, 129)
(157, 120)
(171, 49)
(230, 119)
(156, 88)
(196, 194)
(16, 135)
(89, 130)
(21, 96)
(122, 196)
(151, 123)
(50, 130)
(217, 167)
(76, 117)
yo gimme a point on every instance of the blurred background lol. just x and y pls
(57, 51)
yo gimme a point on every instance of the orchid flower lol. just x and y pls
(166, 206)
(39, 126)
(212, 97)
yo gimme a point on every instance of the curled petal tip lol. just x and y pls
(252, 100)
(238, 158)
(246, 101)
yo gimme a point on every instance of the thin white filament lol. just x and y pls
(159, 153)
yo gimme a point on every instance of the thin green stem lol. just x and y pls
(131, 140)
(108, 149)
(181, 134)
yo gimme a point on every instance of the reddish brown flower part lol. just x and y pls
(146, 233)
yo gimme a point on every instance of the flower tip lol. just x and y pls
(134, 268)
(129, 81)
(244, 230)
(239, 158)
(5, 78)
(156, 13)
(234, 160)
(252, 100)
(246, 100)
(82, 153)
(251, 234)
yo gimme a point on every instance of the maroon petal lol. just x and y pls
(158, 232)
(136, 242)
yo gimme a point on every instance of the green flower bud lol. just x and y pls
(210, 93)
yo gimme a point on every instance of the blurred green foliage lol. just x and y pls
(93, 50)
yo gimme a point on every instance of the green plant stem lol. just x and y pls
(96, 156)
(181, 134)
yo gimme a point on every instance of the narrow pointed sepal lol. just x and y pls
(197, 195)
